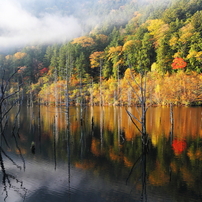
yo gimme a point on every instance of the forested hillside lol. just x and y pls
(162, 38)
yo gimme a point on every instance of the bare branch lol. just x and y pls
(133, 168)
(14, 163)
(132, 76)
(130, 115)
(8, 110)
(13, 93)
(139, 98)
(133, 116)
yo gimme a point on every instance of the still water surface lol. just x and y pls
(101, 159)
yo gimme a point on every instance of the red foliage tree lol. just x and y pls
(178, 63)
(43, 71)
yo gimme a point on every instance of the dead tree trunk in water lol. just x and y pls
(7, 102)
(144, 174)
(101, 100)
(39, 123)
(171, 122)
(69, 67)
(141, 120)
(144, 109)
(81, 99)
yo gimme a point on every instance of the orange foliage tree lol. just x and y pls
(178, 63)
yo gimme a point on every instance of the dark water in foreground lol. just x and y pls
(102, 159)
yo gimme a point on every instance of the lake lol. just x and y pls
(99, 156)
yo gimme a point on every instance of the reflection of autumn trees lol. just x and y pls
(188, 172)
(171, 170)
(187, 124)
(85, 165)
(164, 42)
(164, 167)
(187, 176)
(159, 176)
(194, 152)
(194, 155)
(179, 146)
(110, 149)
(95, 147)
(120, 157)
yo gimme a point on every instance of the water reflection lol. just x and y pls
(93, 161)
(142, 159)
(9, 180)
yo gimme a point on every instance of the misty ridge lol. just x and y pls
(33, 22)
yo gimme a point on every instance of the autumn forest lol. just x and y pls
(161, 46)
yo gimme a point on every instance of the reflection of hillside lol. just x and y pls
(187, 176)
(158, 177)
(186, 121)
(85, 165)
(194, 154)
(112, 145)
(179, 146)
(95, 147)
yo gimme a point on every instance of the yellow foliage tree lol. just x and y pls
(114, 51)
(129, 44)
(8, 57)
(186, 32)
(154, 26)
(113, 54)
(195, 54)
(173, 41)
(157, 28)
(101, 38)
(19, 55)
(84, 41)
(95, 58)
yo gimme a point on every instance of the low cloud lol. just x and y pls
(18, 27)
(32, 22)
